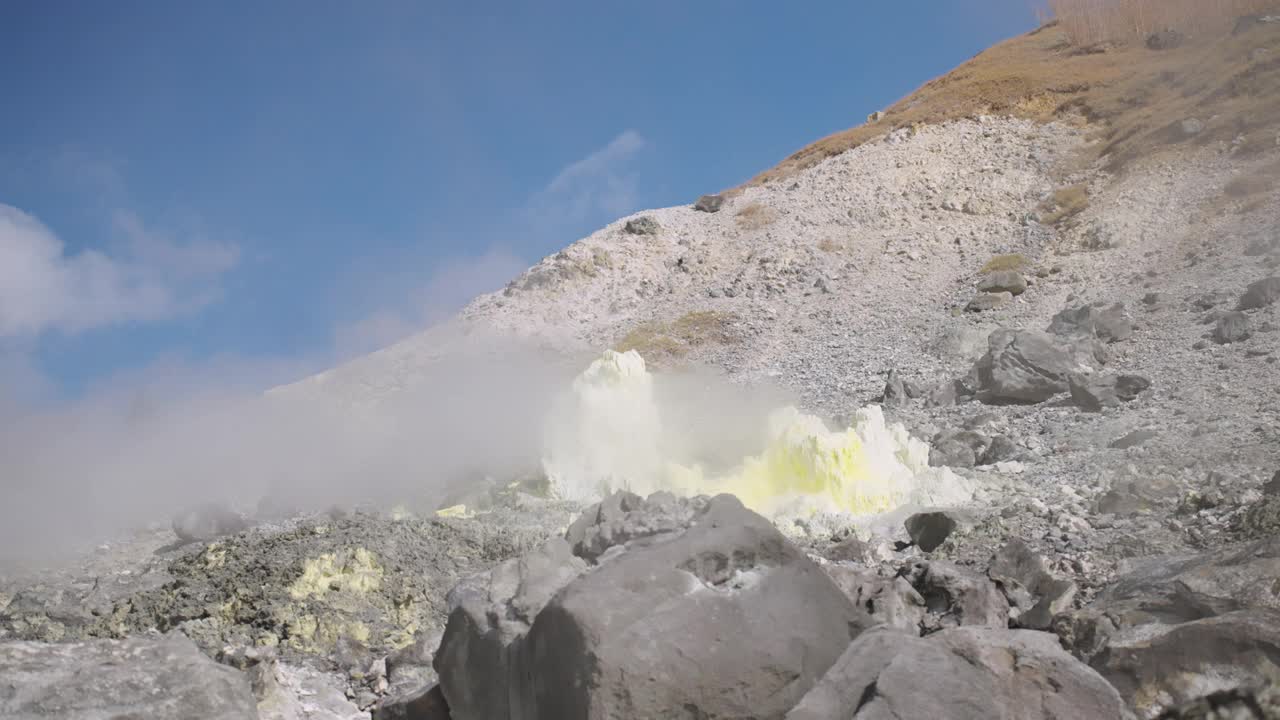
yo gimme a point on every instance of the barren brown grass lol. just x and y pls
(755, 216)
(1012, 261)
(662, 343)
(1088, 22)
(1064, 204)
(1132, 98)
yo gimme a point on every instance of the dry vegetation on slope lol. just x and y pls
(1224, 73)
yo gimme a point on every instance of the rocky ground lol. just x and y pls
(1099, 352)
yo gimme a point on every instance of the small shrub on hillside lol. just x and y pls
(1064, 204)
(1012, 261)
(755, 216)
(660, 342)
(829, 245)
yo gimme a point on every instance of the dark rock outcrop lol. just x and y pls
(1260, 294)
(720, 616)
(709, 203)
(1027, 367)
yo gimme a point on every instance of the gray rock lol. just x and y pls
(1000, 450)
(725, 619)
(1231, 327)
(954, 597)
(1172, 665)
(160, 677)
(427, 703)
(1165, 591)
(928, 530)
(1272, 486)
(1260, 294)
(947, 394)
(1257, 703)
(1035, 594)
(984, 301)
(479, 659)
(851, 549)
(1132, 496)
(1094, 392)
(1261, 518)
(623, 517)
(951, 453)
(895, 391)
(1002, 281)
(291, 692)
(409, 669)
(709, 203)
(1108, 324)
(967, 673)
(1192, 126)
(208, 522)
(1023, 366)
(962, 343)
(643, 225)
(880, 599)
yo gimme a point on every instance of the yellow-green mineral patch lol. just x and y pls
(215, 556)
(355, 571)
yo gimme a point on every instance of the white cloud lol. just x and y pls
(44, 288)
(452, 284)
(599, 184)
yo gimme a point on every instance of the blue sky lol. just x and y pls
(296, 183)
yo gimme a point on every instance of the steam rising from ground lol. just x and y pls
(486, 406)
(72, 477)
(610, 433)
(79, 474)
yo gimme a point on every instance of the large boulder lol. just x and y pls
(1232, 327)
(1180, 588)
(725, 619)
(954, 597)
(880, 597)
(1173, 665)
(155, 677)
(964, 673)
(490, 614)
(1260, 294)
(709, 203)
(1096, 391)
(1108, 324)
(1010, 281)
(688, 608)
(1026, 367)
(1035, 595)
(1177, 627)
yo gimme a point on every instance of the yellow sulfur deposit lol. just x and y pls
(805, 468)
(455, 511)
(356, 571)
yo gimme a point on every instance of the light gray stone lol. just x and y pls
(964, 673)
(159, 677)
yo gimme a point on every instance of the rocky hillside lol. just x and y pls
(1058, 265)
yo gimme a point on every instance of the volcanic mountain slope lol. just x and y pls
(1056, 264)
(1118, 174)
